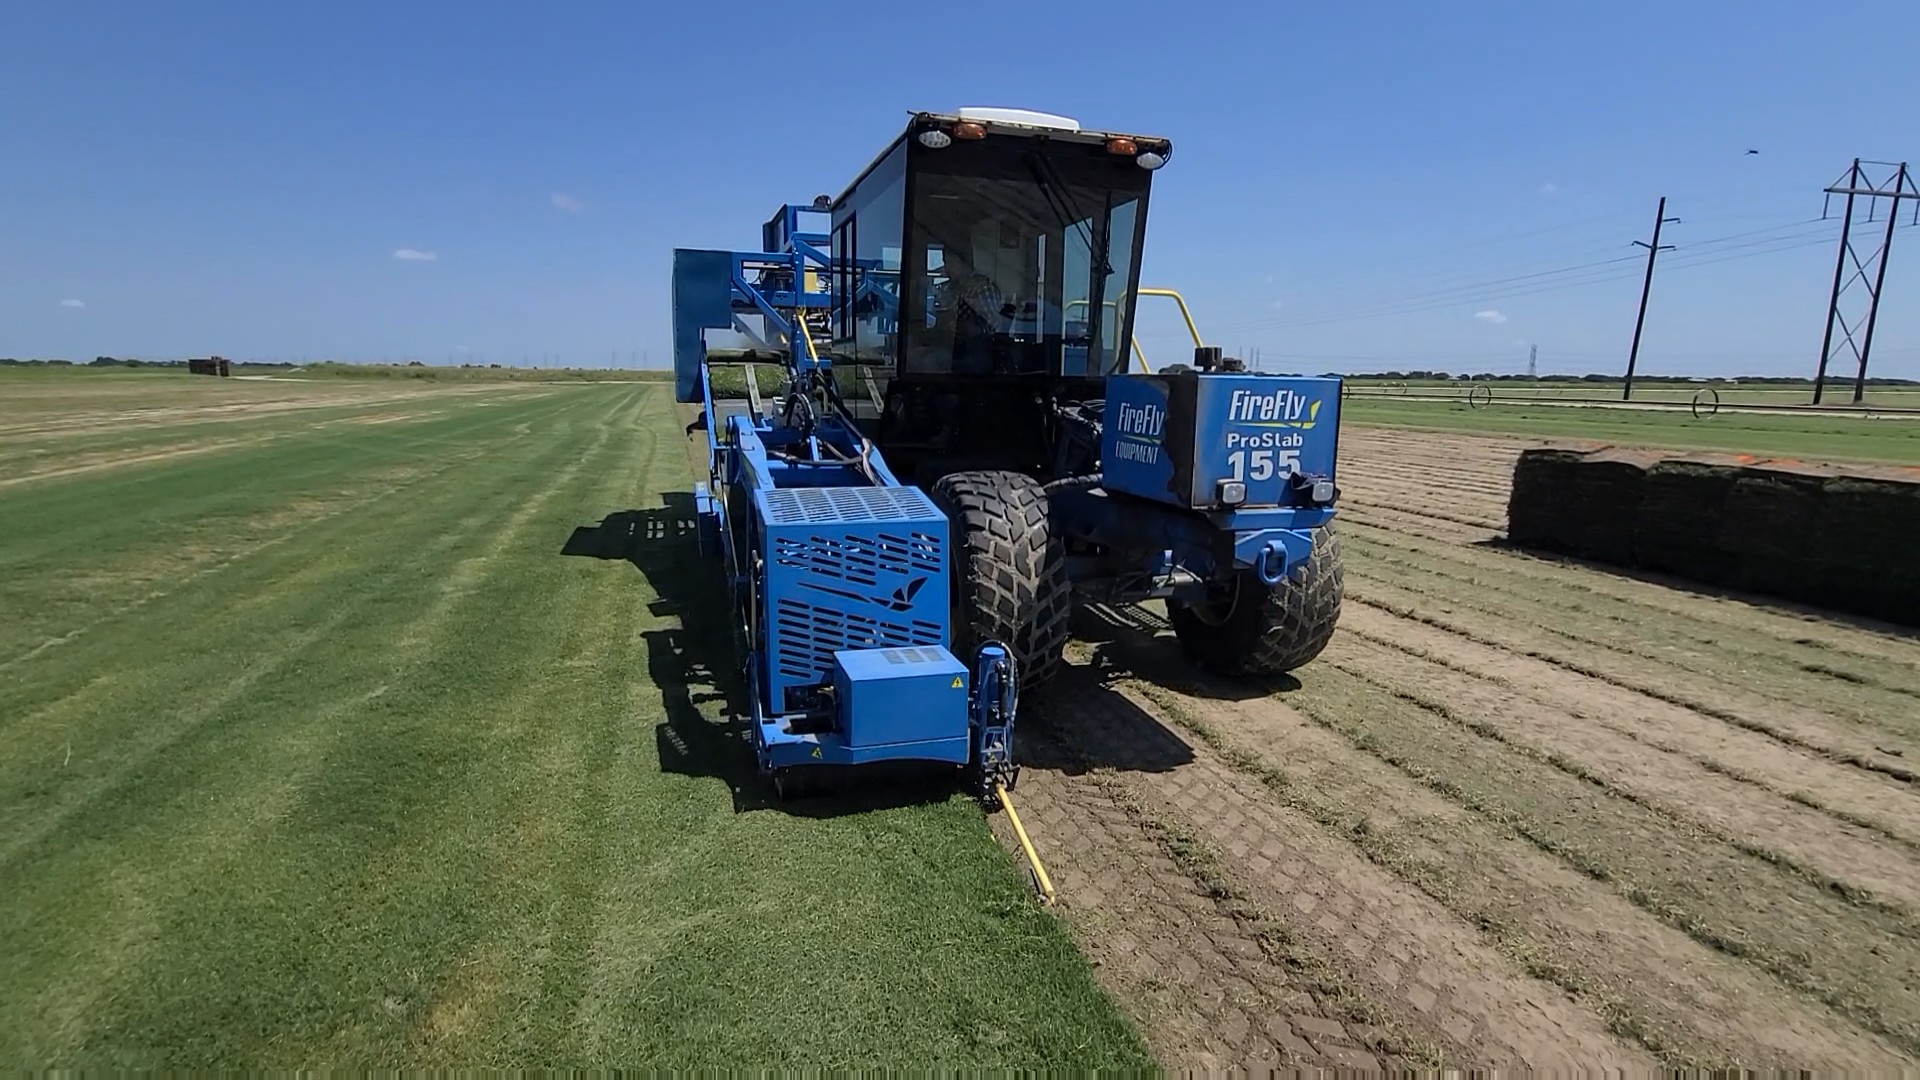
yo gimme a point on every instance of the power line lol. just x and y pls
(1591, 277)
(1468, 288)
(1473, 273)
(1473, 288)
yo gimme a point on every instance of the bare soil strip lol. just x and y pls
(1522, 813)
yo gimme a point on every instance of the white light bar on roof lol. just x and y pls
(1020, 118)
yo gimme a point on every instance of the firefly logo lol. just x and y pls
(1142, 422)
(1281, 408)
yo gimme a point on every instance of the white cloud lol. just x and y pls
(1490, 316)
(1549, 188)
(410, 255)
(72, 304)
(568, 203)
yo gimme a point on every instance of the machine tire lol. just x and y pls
(1009, 571)
(1267, 630)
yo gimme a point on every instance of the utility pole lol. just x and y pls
(1653, 251)
(1533, 362)
(1854, 184)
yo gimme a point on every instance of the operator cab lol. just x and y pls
(984, 256)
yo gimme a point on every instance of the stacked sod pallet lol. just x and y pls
(1844, 538)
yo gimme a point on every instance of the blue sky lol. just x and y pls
(1353, 184)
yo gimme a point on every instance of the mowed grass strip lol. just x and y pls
(393, 793)
(1832, 438)
(79, 548)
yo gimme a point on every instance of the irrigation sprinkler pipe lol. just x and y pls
(1026, 844)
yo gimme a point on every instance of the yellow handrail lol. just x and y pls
(1184, 313)
(1138, 353)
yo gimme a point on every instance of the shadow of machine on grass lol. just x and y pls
(1080, 723)
(694, 662)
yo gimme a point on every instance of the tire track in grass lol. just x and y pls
(149, 830)
(1781, 667)
(1790, 725)
(1859, 867)
(1652, 982)
(1864, 800)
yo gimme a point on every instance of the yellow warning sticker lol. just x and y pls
(816, 751)
(956, 682)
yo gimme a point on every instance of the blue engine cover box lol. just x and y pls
(1173, 438)
(886, 696)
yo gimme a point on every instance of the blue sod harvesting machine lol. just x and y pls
(958, 452)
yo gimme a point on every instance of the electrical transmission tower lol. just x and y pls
(1533, 361)
(1870, 272)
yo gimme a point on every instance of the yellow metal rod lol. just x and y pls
(1184, 313)
(1026, 845)
(800, 320)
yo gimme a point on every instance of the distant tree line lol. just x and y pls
(113, 361)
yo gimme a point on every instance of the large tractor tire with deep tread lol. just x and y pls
(1009, 571)
(1262, 630)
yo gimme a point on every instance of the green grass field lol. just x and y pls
(1837, 438)
(341, 731)
(1731, 391)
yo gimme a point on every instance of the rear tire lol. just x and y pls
(1262, 630)
(1009, 572)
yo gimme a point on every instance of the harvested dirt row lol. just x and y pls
(1859, 692)
(1851, 861)
(1348, 967)
(1634, 975)
(1688, 818)
(1435, 491)
(1396, 519)
(1466, 526)
(1394, 500)
(1859, 798)
(1821, 640)
(1789, 721)
(1431, 446)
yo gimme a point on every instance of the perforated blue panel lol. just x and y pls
(848, 568)
(786, 506)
